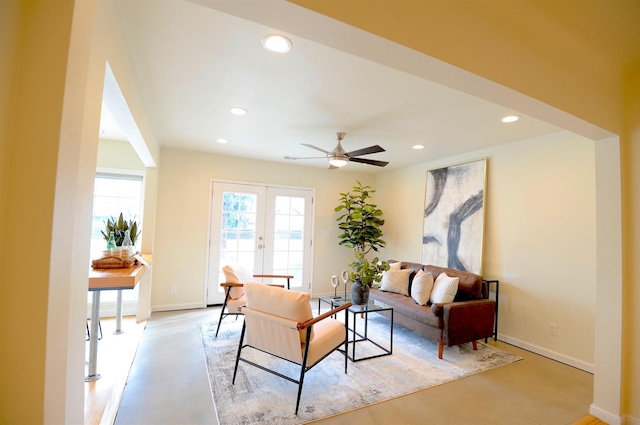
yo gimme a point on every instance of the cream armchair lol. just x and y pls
(280, 322)
(235, 277)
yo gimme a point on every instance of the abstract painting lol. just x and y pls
(454, 217)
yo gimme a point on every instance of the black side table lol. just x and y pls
(486, 285)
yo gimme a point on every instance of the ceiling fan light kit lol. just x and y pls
(339, 158)
(338, 161)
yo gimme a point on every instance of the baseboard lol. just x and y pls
(605, 416)
(108, 308)
(173, 307)
(628, 420)
(579, 364)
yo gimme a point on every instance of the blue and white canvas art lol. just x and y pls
(454, 217)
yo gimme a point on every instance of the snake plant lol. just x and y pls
(119, 227)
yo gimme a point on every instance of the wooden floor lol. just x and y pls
(115, 355)
(590, 420)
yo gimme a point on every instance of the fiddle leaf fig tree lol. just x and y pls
(361, 224)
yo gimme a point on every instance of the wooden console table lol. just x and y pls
(108, 280)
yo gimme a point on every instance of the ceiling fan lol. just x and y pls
(339, 158)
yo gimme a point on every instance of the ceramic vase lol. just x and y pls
(359, 293)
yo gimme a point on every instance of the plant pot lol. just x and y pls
(359, 293)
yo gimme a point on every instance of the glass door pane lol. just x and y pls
(237, 226)
(266, 230)
(288, 224)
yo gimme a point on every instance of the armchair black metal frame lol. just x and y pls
(304, 367)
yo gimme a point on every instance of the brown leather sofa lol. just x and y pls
(468, 318)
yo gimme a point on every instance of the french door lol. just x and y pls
(265, 229)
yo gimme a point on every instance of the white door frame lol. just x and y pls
(213, 268)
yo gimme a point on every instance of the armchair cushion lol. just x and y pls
(234, 305)
(280, 302)
(329, 333)
(236, 274)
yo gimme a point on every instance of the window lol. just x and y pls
(115, 193)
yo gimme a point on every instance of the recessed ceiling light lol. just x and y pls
(510, 118)
(223, 141)
(276, 43)
(418, 147)
(238, 111)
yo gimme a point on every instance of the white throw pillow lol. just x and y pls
(236, 274)
(444, 289)
(421, 287)
(395, 266)
(396, 281)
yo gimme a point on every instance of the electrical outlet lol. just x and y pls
(553, 329)
(174, 290)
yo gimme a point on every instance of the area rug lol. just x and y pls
(259, 397)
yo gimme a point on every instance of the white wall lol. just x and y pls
(116, 154)
(182, 220)
(539, 238)
(539, 232)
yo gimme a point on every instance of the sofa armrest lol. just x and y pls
(437, 309)
(467, 321)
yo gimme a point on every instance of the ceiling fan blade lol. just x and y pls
(369, 161)
(366, 151)
(314, 147)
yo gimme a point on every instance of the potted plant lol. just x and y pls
(119, 228)
(361, 224)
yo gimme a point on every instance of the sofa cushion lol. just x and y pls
(469, 285)
(421, 287)
(444, 289)
(406, 306)
(395, 281)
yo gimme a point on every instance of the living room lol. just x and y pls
(550, 181)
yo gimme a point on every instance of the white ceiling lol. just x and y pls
(197, 60)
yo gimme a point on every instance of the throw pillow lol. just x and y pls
(396, 281)
(421, 286)
(236, 274)
(444, 289)
(395, 266)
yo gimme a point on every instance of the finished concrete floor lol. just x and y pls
(168, 385)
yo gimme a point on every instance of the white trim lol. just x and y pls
(579, 364)
(629, 420)
(113, 98)
(608, 383)
(175, 307)
(108, 308)
(605, 416)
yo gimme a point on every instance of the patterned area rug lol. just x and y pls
(259, 397)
